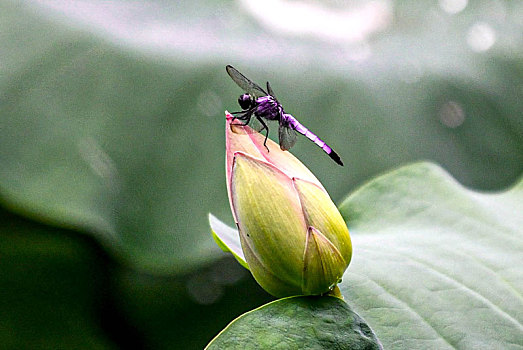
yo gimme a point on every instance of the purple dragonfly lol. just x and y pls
(264, 106)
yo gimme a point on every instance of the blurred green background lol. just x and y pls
(112, 141)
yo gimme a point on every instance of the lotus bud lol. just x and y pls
(294, 239)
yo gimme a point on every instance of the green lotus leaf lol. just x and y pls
(298, 323)
(435, 265)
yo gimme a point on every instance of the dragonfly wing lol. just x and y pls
(256, 125)
(245, 83)
(287, 136)
(271, 92)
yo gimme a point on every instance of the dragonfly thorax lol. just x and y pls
(268, 108)
(265, 107)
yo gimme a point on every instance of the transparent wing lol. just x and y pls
(287, 136)
(242, 81)
(271, 92)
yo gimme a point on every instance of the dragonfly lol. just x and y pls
(263, 106)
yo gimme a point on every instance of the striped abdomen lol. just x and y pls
(296, 125)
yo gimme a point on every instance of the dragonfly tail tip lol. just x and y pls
(335, 157)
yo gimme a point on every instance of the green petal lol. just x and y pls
(321, 213)
(323, 264)
(269, 217)
(227, 240)
(266, 278)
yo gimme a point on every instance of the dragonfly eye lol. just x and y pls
(245, 101)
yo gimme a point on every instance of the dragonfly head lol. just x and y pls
(245, 101)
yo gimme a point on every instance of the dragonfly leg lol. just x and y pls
(245, 117)
(266, 128)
